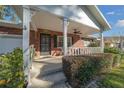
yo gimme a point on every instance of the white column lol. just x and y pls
(102, 41)
(26, 34)
(65, 26)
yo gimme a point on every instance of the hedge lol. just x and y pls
(118, 55)
(11, 69)
(117, 60)
(122, 56)
(71, 65)
(112, 50)
(80, 70)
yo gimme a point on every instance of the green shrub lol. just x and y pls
(71, 64)
(11, 69)
(117, 60)
(95, 66)
(112, 50)
(118, 55)
(105, 62)
(113, 79)
(102, 61)
(87, 72)
(80, 70)
(122, 56)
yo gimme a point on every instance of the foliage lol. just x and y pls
(118, 55)
(117, 60)
(122, 56)
(87, 72)
(71, 64)
(95, 66)
(7, 13)
(112, 50)
(1, 11)
(113, 79)
(80, 70)
(11, 69)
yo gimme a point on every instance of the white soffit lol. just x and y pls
(46, 20)
(73, 12)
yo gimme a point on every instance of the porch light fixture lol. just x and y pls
(24, 28)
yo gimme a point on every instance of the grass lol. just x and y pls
(114, 79)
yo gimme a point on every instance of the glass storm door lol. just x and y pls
(45, 44)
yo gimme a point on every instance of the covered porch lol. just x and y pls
(50, 22)
(41, 24)
(49, 29)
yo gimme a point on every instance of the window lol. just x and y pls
(60, 41)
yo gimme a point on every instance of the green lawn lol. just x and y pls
(114, 79)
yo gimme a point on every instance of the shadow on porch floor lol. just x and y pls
(47, 72)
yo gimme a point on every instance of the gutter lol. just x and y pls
(98, 17)
(103, 16)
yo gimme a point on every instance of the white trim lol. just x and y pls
(103, 17)
(10, 22)
(10, 36)
(25, 44)
(104, 24)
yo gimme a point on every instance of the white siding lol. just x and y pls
(8, 43)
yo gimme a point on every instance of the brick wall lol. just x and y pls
(79, 44)
(52, 33)
(8, 30)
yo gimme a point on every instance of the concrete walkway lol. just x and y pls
(47, 73)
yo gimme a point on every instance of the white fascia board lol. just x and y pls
(10, 36)
(9, 22)
(99, 17)
(103, 17)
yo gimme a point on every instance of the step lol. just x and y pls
(50, 72)
(54, 77)
(51, 60)
(60, 85)
(46, 71)
(50, 80)
(45, 67)
(63, 84)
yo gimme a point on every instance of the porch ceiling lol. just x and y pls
(46, 20)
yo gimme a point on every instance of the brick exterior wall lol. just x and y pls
(35, 37)
(79, 44)
(8, 30)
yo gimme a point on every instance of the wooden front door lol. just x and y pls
(45, 44)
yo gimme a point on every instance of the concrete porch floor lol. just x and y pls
(47, 73)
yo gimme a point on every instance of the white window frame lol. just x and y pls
(68, 38)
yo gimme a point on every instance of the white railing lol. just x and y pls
(84, 50)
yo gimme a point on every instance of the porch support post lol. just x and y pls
(101, 41)
(65, 26)
(26, 34)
